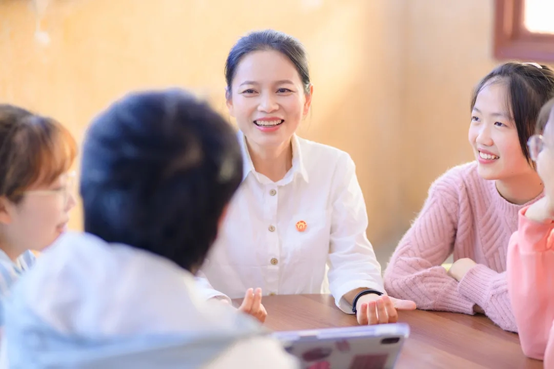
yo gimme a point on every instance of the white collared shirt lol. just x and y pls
(262, 244)
(10, 270)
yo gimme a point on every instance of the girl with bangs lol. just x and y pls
(472, 209)
(35, 156)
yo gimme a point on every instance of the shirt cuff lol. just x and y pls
(341, 302)
(477, 284)
(221, 298)
(210, 293)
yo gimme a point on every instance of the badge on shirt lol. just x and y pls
(301, 226)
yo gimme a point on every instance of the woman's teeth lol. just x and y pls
(482, 155)
(268, 123)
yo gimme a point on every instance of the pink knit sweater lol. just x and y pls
(464, 215)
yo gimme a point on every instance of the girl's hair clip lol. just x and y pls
(533, 64)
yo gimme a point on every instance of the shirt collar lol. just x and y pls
(298, 165)
(4, 258)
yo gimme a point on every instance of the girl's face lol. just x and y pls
(40, 217)
(493, 136)
(545, 158)
(267, 99)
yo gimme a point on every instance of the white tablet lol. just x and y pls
(362, 347)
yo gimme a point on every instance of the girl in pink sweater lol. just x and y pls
(471, 211)
(531, 255)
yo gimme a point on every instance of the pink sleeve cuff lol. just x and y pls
(477, 284)
(454, 302)
(489, 289)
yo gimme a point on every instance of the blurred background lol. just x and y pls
(392, 78)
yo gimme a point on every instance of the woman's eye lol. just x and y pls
(248, 91)
(499, 124)
(474, 119)
(283, 90)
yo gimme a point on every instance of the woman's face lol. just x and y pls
(267, 98)
(494, 137)
(40, 217)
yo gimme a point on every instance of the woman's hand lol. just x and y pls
(374, 309)
(459, 269)
(478, 309)
(541, 211)
(252, 304)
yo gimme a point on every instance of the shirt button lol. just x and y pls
(273, 192)
(274, 261)
(271, 228)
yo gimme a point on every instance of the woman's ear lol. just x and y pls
(308, 102)
(6, 207)
(229, 101)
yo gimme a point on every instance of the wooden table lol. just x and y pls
(437, 340)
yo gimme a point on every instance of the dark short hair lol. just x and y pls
(530, 86)
(34, 150)
(268, 40)
(158, 169)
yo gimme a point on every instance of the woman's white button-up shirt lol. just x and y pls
(280, 236)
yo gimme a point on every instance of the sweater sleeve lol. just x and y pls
(414, 271)
(530, 282)
(489, 289)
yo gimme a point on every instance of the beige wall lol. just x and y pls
(392, 77)
(448, 49)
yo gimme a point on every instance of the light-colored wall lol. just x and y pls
(448, 49)
(392, 77)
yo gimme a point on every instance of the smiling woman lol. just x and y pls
(503, 118)
(268, 102)
(263, 105)
(472, 209)
(300, 205)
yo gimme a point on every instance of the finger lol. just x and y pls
(256, 304)
(362, 314)
(391, 311)
(382, 311)
(403, 304)
(258, 290)
(246, 305)
(262, 314)
(257, 301)
(372, 313)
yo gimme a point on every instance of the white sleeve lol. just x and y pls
(205, 288)
(259, 352)
(351, 257)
